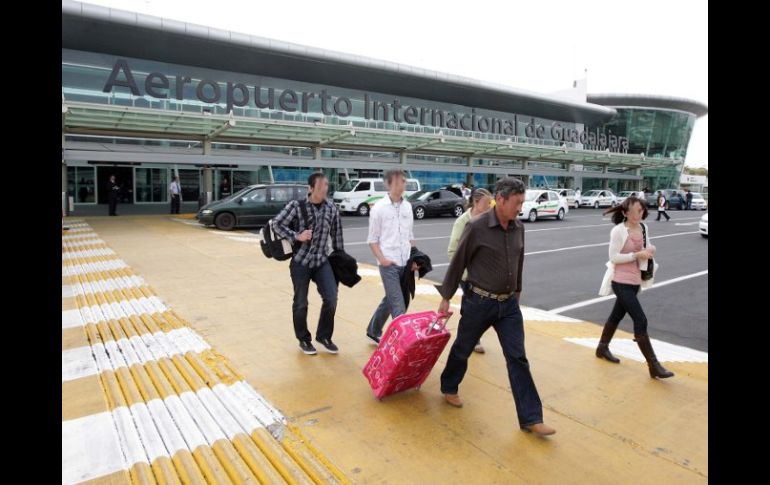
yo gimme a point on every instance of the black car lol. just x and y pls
(436, 203)
(250, 207)
(674, 199)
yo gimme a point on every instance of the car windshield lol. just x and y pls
(420, 195)
(238, 194)
(348, 186)
(627, 193)
(696, 195)
(591, 193)
(531, 195)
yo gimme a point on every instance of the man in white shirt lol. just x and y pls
(391, 238)
(174, 191)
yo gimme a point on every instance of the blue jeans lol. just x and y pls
(323, 276)
(393, 302)
(478, 314)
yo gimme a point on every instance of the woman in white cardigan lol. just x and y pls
(630, 253)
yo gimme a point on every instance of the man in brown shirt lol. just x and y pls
(492, 250)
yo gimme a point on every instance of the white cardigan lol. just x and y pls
(618, 237)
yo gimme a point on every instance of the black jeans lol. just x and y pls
(660, 212)
(175, 204)
(627, 302)
(323, 276)
(478, 314)
(113, 202)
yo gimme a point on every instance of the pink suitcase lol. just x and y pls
(407, 352)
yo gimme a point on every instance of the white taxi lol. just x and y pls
(543, 203)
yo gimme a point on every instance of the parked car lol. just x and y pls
(698, 202)
(674, 199)
(353, 195)
(569, 194)
(598, 198)
(703, 226)
(436, 203)
(250, 207)
(626, 194)
(543, 203)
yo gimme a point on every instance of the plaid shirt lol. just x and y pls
(325, 223)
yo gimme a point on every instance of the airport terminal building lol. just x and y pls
(145, 97)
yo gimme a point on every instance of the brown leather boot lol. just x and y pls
(603, 350)
(656, 370)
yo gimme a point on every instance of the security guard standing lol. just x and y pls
(174, 191)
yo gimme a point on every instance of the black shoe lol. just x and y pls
(307, 348)
(328, 345)
(373, 339)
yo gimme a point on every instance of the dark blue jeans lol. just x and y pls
(323, 276)
(628, 302)
(478, 314)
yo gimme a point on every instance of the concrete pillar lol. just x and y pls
(606, 182)
(402, 158)
(316, 153)
(208, 184)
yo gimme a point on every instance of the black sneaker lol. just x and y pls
(307, 348)
(373, 339)
(328, 345)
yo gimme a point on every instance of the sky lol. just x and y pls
(641, 47)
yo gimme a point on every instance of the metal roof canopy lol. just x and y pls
(136, 122)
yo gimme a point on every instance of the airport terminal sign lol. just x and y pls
(236, 94)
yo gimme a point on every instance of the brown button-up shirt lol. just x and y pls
(493, 256)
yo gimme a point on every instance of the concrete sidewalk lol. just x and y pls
(614, 423)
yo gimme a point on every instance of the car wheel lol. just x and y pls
(705, 235)
(363, 210)
(577, 205)
(225, 221)
(560, 215)
(532, 216)
(419, 213)
(458, 210)
(596, 204)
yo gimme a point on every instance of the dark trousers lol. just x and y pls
(662, 212)
(113, 201)
(323, 276)
(175, 204)
(628, 302)
(478, 314)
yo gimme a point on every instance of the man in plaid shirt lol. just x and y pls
(311, 247)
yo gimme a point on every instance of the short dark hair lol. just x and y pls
(625, 206)
(509, 185)
(393, 173)
(314, 178)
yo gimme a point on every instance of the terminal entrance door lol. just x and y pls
(124, 177)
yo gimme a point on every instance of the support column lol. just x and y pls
(469, 174)
(606, 182)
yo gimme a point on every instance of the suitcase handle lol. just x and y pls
(440, 316)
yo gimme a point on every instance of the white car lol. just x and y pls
(704, 225)
(626, 194)
(354, 194)
(598, 198)
(543, 203)
(698, 202)
(569, 194)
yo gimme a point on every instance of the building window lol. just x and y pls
(81, 184)
(152, 185)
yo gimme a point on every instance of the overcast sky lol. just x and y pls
(642, 47)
